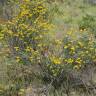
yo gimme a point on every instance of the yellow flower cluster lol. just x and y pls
(69, 61)
(27, 30)
(17, 59)
(56, 60)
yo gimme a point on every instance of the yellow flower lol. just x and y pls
(16, 48)
(56, 60)
(65, 47)
(87, 52)
(85, 29)
(39, 45)
(24, 12)
(36, 53)
(40, 36)
(81, 30)
(1, 38)
(76, 67)
(72, 48)
(79, 60)
(70, 60)
(17, 59)
(28, 49)
(21, 90)
(31, 58)
(58, 42)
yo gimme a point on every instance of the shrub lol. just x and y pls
(26, 33)
(74, 52)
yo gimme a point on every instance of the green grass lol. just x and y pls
(69, 14)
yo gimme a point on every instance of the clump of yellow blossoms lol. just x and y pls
(26, 32)
(56, 60)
